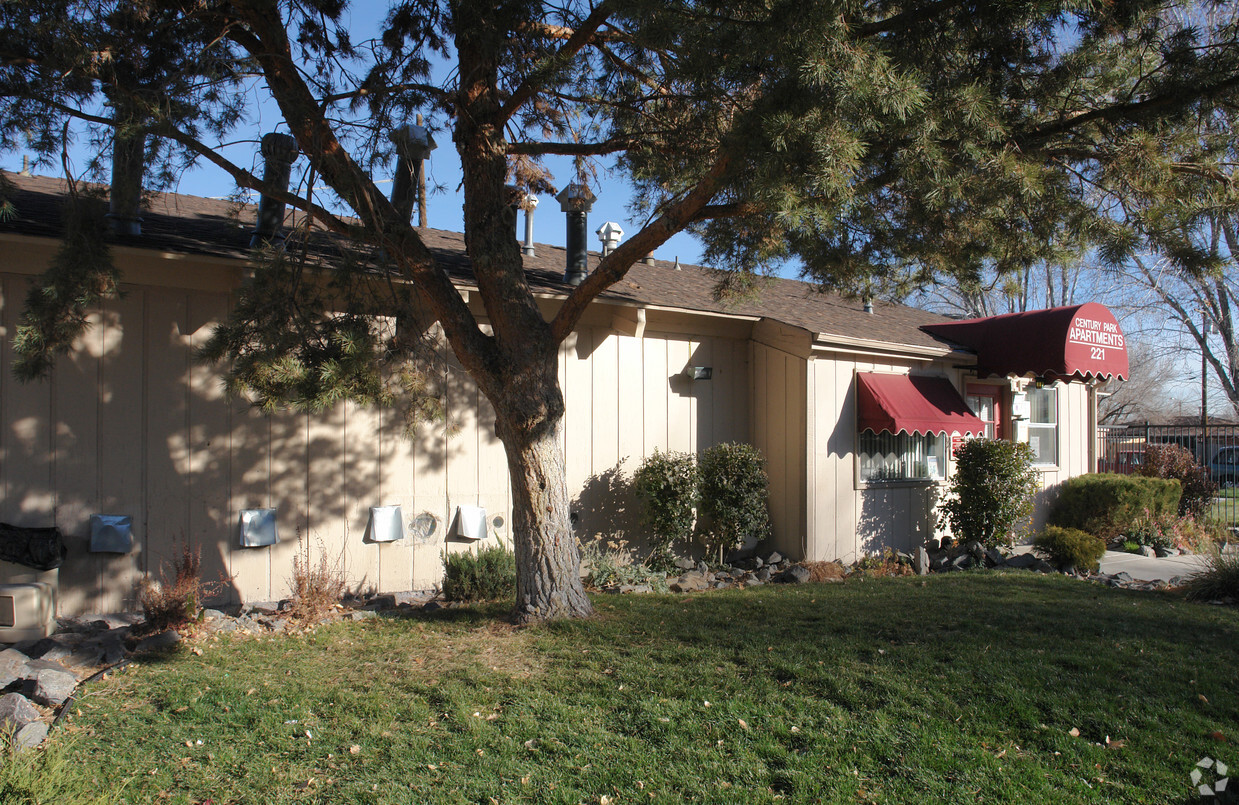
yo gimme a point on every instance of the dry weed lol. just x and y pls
(824, 571)
(316, 588)
(170, 604)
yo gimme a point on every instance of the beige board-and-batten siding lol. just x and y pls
(130, 423)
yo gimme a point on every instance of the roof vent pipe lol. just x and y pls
(278, 152)
(677, 263)
(648, 259)
(869, 304)
(575, 201)
(128, 164)
(610, 234)
(413, 147)
(529, 204)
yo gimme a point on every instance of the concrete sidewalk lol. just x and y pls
(1147, 568)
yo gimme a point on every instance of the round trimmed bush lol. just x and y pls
(1070, 547)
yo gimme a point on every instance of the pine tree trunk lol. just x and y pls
(548, 563)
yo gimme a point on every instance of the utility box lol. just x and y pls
(27, 611)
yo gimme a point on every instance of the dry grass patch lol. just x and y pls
(824, 571)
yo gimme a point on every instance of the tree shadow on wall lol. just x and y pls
(607, 505)
(899, 517)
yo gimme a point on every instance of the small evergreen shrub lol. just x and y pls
(1108, 505)
(1070, 547)
(487, 575)
(1168, 531)
(991, 491)
(734, 491)
(1173, 461)
(667, 487)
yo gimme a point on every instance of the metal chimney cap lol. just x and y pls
(413, 141)
(278, 147)
(576, 197)
(529, 202)
(610, 231)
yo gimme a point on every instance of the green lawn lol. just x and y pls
(960, 688)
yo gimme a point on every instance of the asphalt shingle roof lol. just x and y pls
(179, 223)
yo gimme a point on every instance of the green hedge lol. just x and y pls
(1105, 503)
(488, 575)
(1070, 547)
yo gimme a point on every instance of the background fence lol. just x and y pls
(1216, 448)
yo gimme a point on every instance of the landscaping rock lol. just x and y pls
(793, 575)
(14, 665)
(157, 642)
(975, 550)
(1145, 550)
(684, 563)
(362, 615)
(763, 574)
(431, 606)
(381, 602)
(263, 607)
(1021, 561)
(774, 558)
(30, 736)
(994, 557)
(634, 588)
(209, 615)
(920, 561)
(16, 711)
(702, 568)
(1164, 552)
(50, 687)
(691, 582)
(962, 562)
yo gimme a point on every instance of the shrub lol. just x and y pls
(172, 603)
(315, 588)
(487, 575)
(734, 491)
(1173, 461)
(991, 491)
(610, 563)
(882, 564)
(1107, 504)
(1168, 531)
(1070, 547)
(666, 484)
(1218, 580)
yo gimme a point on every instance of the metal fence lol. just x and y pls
(1216, 447)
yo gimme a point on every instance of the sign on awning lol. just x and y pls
(1078, 342)
(912, 404)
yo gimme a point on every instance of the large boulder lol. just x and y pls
(793, 575)
(13, 666)
(691, 582)
(50, 687)
(16, 711)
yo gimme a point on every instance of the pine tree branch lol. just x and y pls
(574, 149)
(615, 265)
(267, 42)
(578, 40)
(907, 19)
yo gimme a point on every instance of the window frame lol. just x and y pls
(941, 452)
(1054, 427)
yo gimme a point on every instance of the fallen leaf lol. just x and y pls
(1074, 733)
(743, 725)
(354, 750)
(1201, 696)
(1217, 735)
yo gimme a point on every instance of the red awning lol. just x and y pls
(910, 404)
(1080, 342)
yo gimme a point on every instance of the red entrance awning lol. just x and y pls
(1079, 342)
(909, 404)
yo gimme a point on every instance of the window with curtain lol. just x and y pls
(902, 457)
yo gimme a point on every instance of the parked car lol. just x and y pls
(1123, 457)
(1224, 467)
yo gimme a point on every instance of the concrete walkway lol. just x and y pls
(1147, 568)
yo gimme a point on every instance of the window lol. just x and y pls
(1043, 425)
(985, 402)
(902, 457)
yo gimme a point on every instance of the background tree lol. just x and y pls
(877, 143)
